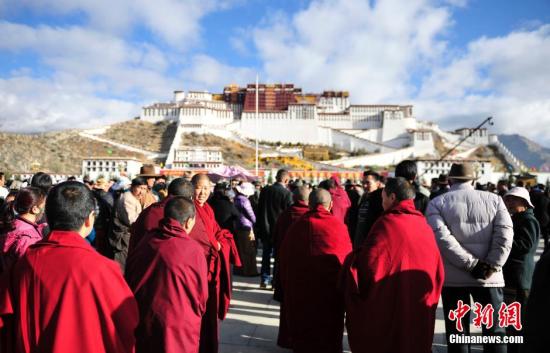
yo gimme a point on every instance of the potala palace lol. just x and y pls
(385, 133)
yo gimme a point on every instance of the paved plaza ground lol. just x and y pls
(253, 321)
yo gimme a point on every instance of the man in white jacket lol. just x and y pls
(474, 233)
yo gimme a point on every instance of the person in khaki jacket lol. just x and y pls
(474, 233)
(148, 173)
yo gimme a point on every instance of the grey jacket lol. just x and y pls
(471, 225)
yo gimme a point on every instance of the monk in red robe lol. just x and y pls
(168, 274)
(300, 197)
(393, 281)
(220, 251)
(340, 199)
(62, 296)
(150, 217)
(311, 256)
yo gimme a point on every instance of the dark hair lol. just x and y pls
(179, 208)
(68, 205)
(43, 181)
(139, 181)
(328, 184)
(181, 187)
(376, 176)
(25, 200)
(406, 169)
(402, 189)
(281, 174)
(2, 175)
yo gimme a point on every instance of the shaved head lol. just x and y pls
(320, 197)
(301, 193)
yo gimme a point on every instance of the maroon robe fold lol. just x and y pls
(147, 221)
(65, 297)
(311, 257)
(392, 284)
(168, 274)
(208, 233)
(285, 220)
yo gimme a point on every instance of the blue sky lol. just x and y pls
(82, 63)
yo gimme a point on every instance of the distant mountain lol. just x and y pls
(530, 152)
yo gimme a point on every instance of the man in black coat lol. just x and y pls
(273, 201)
(225, 212)
(407, 169)
(370, 207)
(442, 186)
(541, 202)
(537, 339)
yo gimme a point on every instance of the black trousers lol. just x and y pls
(482, 295)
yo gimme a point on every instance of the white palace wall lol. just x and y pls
(278, 127)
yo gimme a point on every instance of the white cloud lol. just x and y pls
(87, 71)
(209, 73)
(175, 21)
(32, 105)
(350, 44)
(89, 55)
(504, 77)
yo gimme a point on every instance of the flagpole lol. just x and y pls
(256, 118)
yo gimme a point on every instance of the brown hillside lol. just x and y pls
(154, 137)
(56, 152)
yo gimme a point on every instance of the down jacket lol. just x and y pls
(469, 226)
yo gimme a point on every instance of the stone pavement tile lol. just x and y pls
(247, 349)
(236, 332)
(265, 336)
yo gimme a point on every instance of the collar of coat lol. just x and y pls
(319, 209)
(462, 186)
(169, 227)
(35, 225)
(67, 238)
(405, 206)
(300, 204)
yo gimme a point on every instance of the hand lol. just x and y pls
(478, 272)
(219, 246)
(251, 236)
(482, 270)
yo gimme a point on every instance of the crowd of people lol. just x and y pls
(147, 264)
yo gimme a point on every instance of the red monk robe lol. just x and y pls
(311, 257)
(208, 234)
(147, 221)
(285, 220)
(67, 298)
(340, 200)
(168, 274)
(392, 284)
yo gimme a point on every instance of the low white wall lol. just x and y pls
(379, 159)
